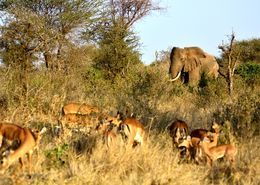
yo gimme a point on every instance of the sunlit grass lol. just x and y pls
(154, 163)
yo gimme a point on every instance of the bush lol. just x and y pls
(249, 71)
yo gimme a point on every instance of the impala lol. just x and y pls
(72, 119)
(131, 129)
(201, 133)
(109, 132)
(27, 142)
(192, 143)
(213, 153)
(178, 131)
(79, 108)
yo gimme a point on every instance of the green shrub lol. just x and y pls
(56, 156)
(249, 70)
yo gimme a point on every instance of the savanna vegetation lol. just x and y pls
(55, 52)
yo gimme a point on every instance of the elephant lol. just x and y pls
(191, 63)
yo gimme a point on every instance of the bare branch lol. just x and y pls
(130, 11)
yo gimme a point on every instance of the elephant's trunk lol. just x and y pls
(176, 78)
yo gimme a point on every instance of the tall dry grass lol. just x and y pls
(154, 163)
(146, 92)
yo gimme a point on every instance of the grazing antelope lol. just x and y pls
(27, 140)
(191, 144)
(192, 149)
(201, 133)
(189, 148)
(131, 130)
(79, 108)
(216, 152)
(178, 131)
(110, 135)
(72, 119)
(81, 115)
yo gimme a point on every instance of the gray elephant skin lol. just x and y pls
(190, 63)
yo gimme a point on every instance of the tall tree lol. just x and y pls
(61, 18)
(41, 30)
(117, 41)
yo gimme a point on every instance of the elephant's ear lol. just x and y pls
(191, 63)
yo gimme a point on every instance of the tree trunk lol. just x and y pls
(230, 82)
(24, 81)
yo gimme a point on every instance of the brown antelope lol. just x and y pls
(27, 142)
(189, 148)
(72, 119)
(79, 108)
(216, 152)
(110, 134)
(76, 114)
(194, 150)
(131, 130)
(178, 131)
(201, 133)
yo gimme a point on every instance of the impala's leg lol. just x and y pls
(29, 161)
(1, 140)
(131, 141)
(209, 161)
(231, 160)
(21, 163)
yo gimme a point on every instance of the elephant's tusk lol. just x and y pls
(176, 78)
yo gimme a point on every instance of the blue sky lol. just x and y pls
(203, 23)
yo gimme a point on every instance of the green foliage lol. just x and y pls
(243, 114)
(249, 71)
(212, 92)
(250, 50)
(56, 156)
(117, 51)
(42, 28)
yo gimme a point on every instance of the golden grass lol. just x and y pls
(81, 159)
(60, 162)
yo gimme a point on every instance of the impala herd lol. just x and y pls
(200, 144)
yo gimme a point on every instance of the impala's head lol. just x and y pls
(186, 142)
(108, 123)
(37, 134)
(184, 146)
(180, 135)
(114, 120)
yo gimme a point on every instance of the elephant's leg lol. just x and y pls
(185, 77)
(194, 76)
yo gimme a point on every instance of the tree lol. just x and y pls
(249, 69)
(250, 50)
(60, 19)
(20, 45)
(231, 54)
(130, 11)
(41, 30)
(117, 41)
